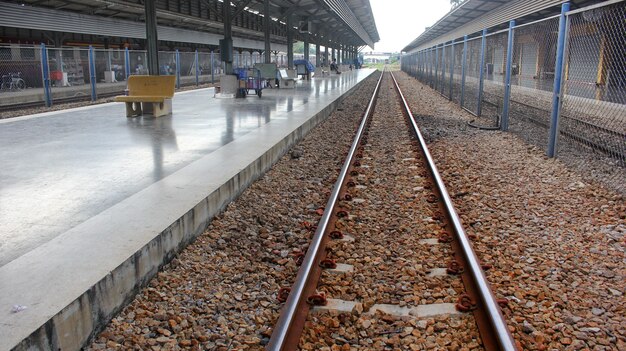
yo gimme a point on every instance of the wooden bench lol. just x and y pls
(149, 95)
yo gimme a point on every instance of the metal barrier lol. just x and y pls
(559, 83)
(38, 74)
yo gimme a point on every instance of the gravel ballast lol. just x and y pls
(220, 292)
(391, 221)
(556, 242)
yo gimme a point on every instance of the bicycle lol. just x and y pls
(13, 81)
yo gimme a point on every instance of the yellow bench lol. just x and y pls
(149, 95)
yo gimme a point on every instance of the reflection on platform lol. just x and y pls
(65, 167)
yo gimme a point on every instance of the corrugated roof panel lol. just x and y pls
(61, 21)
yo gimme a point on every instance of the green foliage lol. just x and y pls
(298, 48)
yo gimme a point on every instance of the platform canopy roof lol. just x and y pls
(472, 16)
(346, 22)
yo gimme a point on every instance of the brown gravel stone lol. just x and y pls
(390, 261)
(556, 240)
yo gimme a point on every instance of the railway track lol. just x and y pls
(388, 251)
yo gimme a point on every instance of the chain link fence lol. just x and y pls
(593, 116)
(472, 75)
(69, 77)
(590, 111)
(532, 80)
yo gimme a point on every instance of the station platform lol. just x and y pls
(92, 203)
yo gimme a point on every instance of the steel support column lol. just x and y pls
(289, 43)
(307, 47)
(504, 122)
(266, 24)
(152, 41)
(317, 55)
(326, 61)
(228, 38)
(557, 100)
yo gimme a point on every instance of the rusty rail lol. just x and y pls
(287, 331)
(493, 329)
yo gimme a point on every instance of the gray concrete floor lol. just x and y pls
(61, 168)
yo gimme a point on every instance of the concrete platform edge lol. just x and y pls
(76, 324)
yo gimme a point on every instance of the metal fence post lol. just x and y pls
(443, 67)
(195, 58)
(45, 75)
(504, 123)
(558, 76)
(483, 47)
(463, 65)
(177, 57)
(126, 63)
(451, 67)
(430, 67)
(212, 69)
(436, 76)
(92, 73)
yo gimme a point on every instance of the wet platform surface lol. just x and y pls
(92, 203)
(60, 169)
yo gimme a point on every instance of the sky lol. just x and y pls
(400, 21)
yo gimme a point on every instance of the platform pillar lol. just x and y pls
(152, 41)
(289, 43)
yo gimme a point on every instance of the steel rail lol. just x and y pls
(498, 325)
(284, 326)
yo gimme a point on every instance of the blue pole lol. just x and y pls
(197, 68)
(451, 67)
(126, 63)
(558, 76)
(443, 67)
(463, 65)
(430, 66)
(212, 69)
(504, 123)
(177, 69)
(436, 76)
(483, 46)
(45, 72)
(92, 73)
